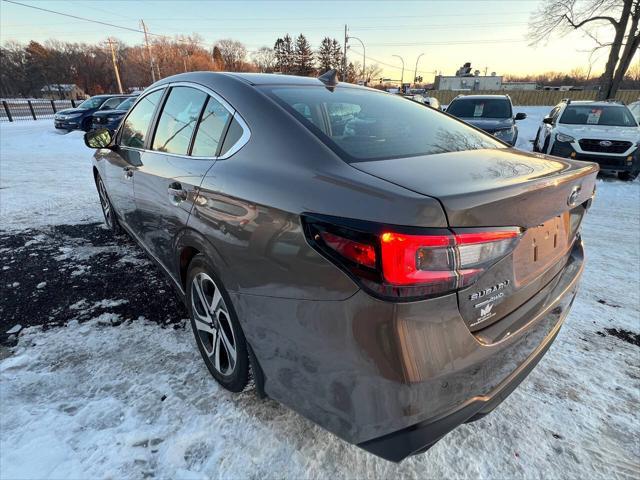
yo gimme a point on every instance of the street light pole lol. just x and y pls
(415, 72)
(402, 75)
(364, 59)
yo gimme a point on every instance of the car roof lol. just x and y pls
(595, 103)
(483, 97)
(255, 79)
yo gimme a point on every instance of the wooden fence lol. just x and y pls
(537, 97)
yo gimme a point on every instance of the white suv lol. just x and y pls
(603, 132)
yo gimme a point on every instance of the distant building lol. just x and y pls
(519, 86)
(562, 88)
(475, 82)
(63, 91)
(464, 80)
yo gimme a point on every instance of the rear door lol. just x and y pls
(183, 148)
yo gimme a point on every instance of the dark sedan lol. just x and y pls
(110, 118)
(80, 117)
(491, 113)
(379, 266)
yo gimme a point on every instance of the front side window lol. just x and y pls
(136, 125)
(366, 125)
(210, 129)
(178, 120)
(480, 108)
(126, 105)
(609, 115)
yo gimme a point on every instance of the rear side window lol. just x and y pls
(210, 129)
(111, 103)
(367, 125)
(178, 120)
(136, 125)
(233, 136)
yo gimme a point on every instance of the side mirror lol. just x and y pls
(100, 138)
(520, 116)
(548, 120)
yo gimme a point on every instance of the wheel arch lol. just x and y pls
(190, 243)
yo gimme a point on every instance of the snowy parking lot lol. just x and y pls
(100, 377)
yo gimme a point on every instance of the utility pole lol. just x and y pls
(364, 60)
(115, 65)
(151, 62)
(402, 75)
(344, 55)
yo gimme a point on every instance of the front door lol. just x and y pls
(121, 163)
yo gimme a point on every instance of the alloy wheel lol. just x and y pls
(106, 205)
(213, 324)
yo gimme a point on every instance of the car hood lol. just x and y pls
(105, 113)
(489, 124)
(70, 111)
(601, 132)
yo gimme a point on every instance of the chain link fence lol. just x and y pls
(17, 109)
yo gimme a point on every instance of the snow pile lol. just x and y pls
(45, 177)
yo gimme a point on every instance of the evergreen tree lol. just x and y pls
(218, 61)
(284, 53)
(303, 57)
(325, 55)
(336, 57)
(352, 74)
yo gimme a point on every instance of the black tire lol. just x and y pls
(86, 125)
(545, 146)
(232, 375)
(110, 217)
(628, 176)
(535, 141)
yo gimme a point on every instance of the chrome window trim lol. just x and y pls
(242, 141)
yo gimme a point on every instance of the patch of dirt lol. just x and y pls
(77, 272)
(625, 335)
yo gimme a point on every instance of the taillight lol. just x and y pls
(404, 264)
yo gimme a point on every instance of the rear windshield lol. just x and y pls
(480, 108)
(609, 115)
(368, 125)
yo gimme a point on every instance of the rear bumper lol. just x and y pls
(395, 378)
(608, 163)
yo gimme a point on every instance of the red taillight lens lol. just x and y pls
(406, 265)
(358, 252)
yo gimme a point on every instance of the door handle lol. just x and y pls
(177, 192)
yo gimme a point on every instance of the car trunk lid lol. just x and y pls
(545, 196)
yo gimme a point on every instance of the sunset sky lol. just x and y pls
(490, 34)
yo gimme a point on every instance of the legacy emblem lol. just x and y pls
(606, 143)
(573, 197)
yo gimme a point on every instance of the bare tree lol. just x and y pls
(233, 53)
(623, 16)
(265, 59)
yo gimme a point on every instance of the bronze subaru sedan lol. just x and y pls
(379, 266)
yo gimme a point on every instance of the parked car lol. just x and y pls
(110, 118)
(382, 268)
(491, 113)
(635, 110)
(602, 132)
(431, 101)
(80, 117)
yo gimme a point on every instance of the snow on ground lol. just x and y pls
(45, 176)
(134, 400)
